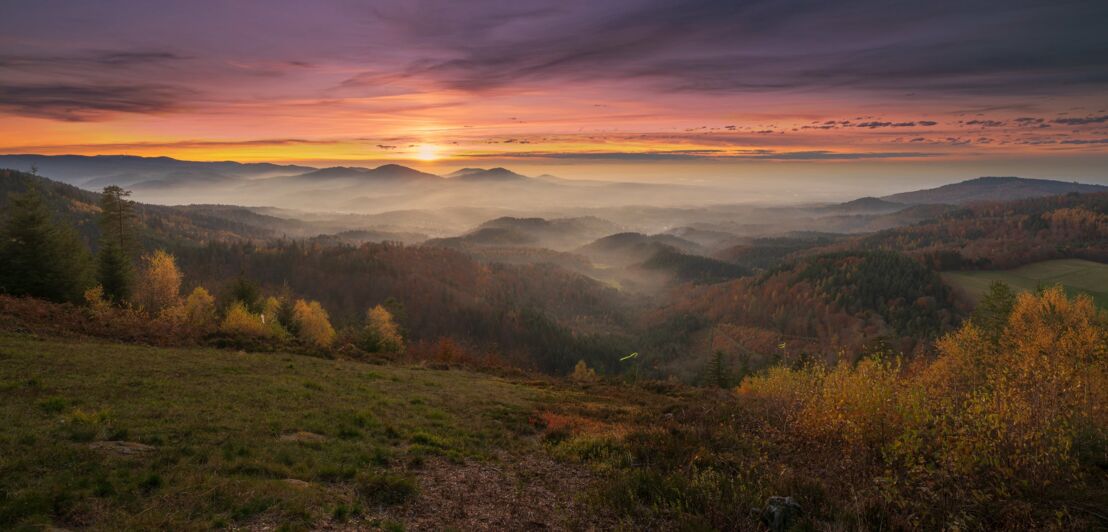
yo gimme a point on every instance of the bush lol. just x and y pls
(583, 373)
(385, 488)
(241, 322)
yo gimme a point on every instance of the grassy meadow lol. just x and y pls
(1076, 276)
(223, 438)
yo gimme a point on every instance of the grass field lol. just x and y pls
(106, 436)
(1075, 275)
(124, 437)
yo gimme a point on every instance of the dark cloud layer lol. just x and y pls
(1080, 121)
(87, 102)
(767, 45)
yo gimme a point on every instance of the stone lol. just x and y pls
(780, 513)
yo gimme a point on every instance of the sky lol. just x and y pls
(859, 91)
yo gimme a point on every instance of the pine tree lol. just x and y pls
(38, 257)
(991, 314)
(245, 291)
(718, 374)
(115, 270)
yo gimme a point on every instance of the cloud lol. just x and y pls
(182, 144)
(694, 155)
(1086, 141)
(116, 59)
(1082, 121)
(78, 103)
(985, 123)
(873, 125)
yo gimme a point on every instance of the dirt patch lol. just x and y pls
(303, 437)
(576, 425)
(122, 448)
(529, 492)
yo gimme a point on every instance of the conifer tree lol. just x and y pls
(115, 270)
(40, 258)
(991, 314)
(718, 374)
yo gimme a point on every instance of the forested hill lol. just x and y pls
(1000, 234)
(159, 226)
(993, 189)
(539, 316)
(818, 306)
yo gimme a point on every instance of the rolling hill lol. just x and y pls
(993, 189)
(625, 249)
(142, 172)
(558, 234)
(485, 174)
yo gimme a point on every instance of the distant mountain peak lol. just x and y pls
(486, 174)
(992, 188)
(386, 171)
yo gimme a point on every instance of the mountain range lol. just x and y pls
(393, 187)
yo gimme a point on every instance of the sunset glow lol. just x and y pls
(567, 88)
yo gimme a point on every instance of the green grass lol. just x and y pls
(216, 419)
(1075, 275)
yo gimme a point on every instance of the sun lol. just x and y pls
(427, 152)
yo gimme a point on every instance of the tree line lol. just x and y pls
(43, 258)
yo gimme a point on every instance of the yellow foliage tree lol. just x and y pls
(199, 308)
(381, 334)
(159, 283)
(241, 322)
(271, 311)
(312, 323)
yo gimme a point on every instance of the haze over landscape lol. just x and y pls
(491, 265)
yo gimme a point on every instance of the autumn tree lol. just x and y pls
(239, 321)
(312, 323)
(159, 282)
(38, 257)
(199, 308)
(114, 269)
(381, 332)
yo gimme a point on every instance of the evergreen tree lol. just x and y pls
(991, 314)
(245, 291)
(39, 258)
(718, 373)
(115, 270)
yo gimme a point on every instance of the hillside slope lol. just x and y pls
(993, 189)
(147, 438)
